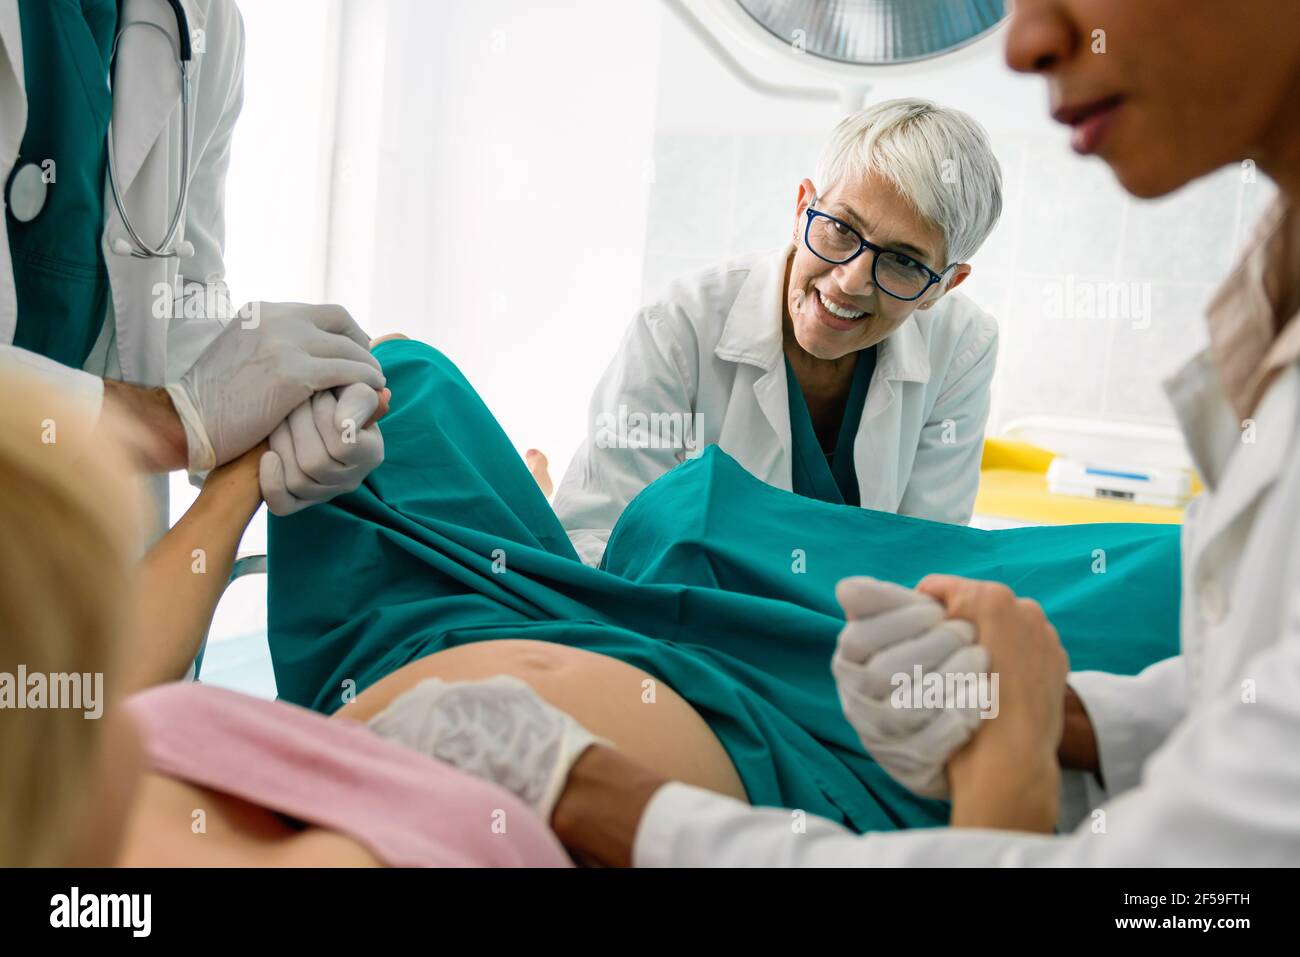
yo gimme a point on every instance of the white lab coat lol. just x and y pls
(140, 343)
(1199, 752)
(713, 346)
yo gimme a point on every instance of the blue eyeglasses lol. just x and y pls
(895, 274)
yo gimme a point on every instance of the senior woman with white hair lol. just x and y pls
(838, 367)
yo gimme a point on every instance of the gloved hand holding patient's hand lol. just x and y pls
(326, 447)
(891, 630)
(255, 373)
(498, 729)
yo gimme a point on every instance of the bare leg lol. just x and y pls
(539, 467)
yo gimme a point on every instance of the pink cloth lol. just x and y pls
(407, 809)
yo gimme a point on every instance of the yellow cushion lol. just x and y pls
(1013, 485)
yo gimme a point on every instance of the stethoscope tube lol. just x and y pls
(134, 244)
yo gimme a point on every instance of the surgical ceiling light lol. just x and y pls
(823, 49)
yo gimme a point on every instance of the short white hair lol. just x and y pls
(939, 159)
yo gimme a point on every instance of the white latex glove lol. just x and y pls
(321, 449)
(248, 380)
(497, 729)
(889, 630)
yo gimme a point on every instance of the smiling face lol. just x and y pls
(1180, 88)
(837, 310)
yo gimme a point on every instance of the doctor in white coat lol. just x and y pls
(841, 366)
(1195, 760)
(159, 356)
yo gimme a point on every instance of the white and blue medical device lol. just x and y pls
(1166, 487)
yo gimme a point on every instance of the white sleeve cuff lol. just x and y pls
(685, 826)
(1131, 717)
(1081, 794)
(202, 457)
(658, 840)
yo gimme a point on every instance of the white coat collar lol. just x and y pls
(1209, 426)
(11, 40)
(13, 110)
(752, 333)
(905, 355)
(146, 86)
(1238, 461)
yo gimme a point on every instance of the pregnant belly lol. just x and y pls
(646, 720)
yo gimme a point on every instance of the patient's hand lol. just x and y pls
(385, 400)
(1024, 649)
(1008, 775)
(242, 471)
(890, 634)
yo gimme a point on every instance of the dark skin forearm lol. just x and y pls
(600, 811)
(606, 796)
(1078, 748)
(598, 814)
(607, 793)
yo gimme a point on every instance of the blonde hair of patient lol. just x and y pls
(69, 520)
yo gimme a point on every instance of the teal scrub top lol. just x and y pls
(59, 272)
(814, 474)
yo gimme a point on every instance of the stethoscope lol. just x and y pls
(27, 190)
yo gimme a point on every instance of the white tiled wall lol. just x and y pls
(722, 187)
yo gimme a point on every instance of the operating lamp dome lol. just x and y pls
(876, 32)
